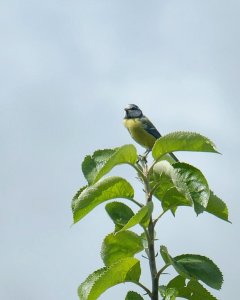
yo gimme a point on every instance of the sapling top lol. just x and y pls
(173, 185)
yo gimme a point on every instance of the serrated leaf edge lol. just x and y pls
(114, 234)
(115, 152)
(201, 256)
(135, 215)
(208, 141)
(106, 269)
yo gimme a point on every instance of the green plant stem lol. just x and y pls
(152, 261)
(154, 188)
(162, 270)
(138, 169)
(137, 203)
(143, 287)
(152, 166)
(151, 246)
(156, 220)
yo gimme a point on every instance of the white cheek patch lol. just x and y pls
(135, 113)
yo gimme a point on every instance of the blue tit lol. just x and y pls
(141, 128)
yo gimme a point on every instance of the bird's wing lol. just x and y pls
(149, 127)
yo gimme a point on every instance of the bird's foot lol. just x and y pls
(143, 157)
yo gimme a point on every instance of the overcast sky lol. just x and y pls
(68, 68)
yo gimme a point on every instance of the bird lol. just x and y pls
(141, 129)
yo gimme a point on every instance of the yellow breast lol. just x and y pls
(138, 133)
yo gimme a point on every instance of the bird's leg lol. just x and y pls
(145, 154)
(143, 157)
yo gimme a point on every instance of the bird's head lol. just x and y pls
(132, 111)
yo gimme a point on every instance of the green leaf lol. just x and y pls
(180, 184)
(182, 141)
(75, 197)
(179, 284)
(144, 240)
(193, 290)
(126, 270)
(162, 175)
(162, 167)
(170, 294)
(133, 296)
(141, 217)
(162, 290)
(198, 292)
(120, 245)
(86, 287)
(198, 267)
(165, 255)
(105, 189)
(195, 267)
(119, 212)
(102, 161)
(173, 198)
(191, 182)
(161, 182)
(168, 158)
(217, 207)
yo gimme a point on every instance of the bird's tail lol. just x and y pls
(174, 157)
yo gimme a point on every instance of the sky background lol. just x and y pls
(68, 68)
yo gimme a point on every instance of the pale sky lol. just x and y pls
(68, 68)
